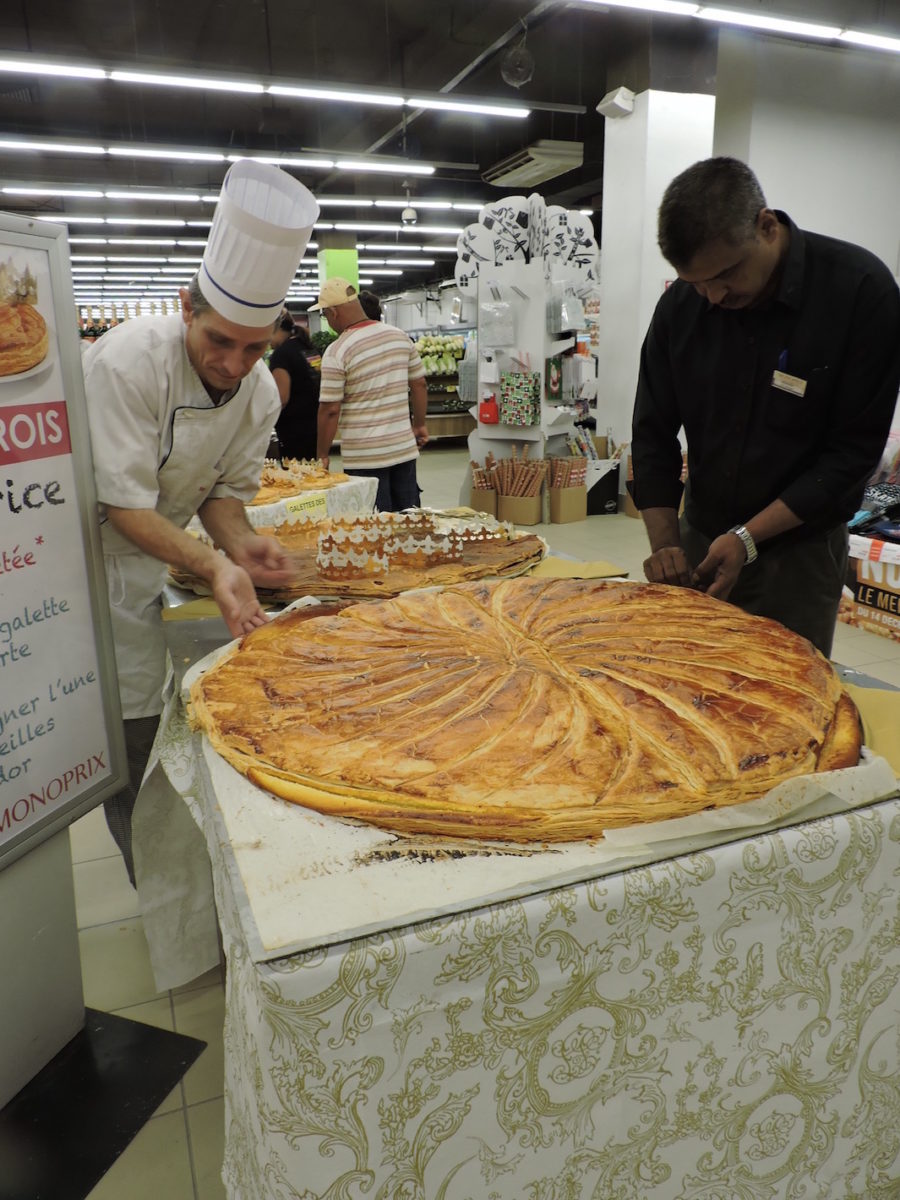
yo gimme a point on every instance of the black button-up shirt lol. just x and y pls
(835, 323)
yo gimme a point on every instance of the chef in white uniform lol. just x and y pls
(181, 410)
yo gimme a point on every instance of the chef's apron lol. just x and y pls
(135, 580)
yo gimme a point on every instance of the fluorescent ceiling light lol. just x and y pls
(134, 258)
(198, 224)
(469, 205)
(190, 197)
(410, 262)
(317, 93)
(342, 203)
(392, 168)
(383, 226)
(469, 106)
(26, 67)
(277, 160)
(87, 241)
(68, 219)
(143, 242)
(383, 271)
(88, 258)
(386, 246)
(52, 191)
(674, 8)
(770, 24)
(188, 81)
(147, 221)
(42, 147)
(427, 230)
(189, 241)
(873, 40)
(177, 155)
(435, 249)
(414, 202)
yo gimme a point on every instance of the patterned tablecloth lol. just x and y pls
(722, 1025)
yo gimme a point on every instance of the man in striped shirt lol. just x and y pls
(370, 375)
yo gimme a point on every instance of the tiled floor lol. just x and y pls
(178, 1154)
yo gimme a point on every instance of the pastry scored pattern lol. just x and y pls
(526, 709)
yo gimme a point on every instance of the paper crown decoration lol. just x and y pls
(522, 229)
(259, 234)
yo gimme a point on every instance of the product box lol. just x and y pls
(520, 510)
(568, 504)
(871, 598)
(603, 496)
(483, 500)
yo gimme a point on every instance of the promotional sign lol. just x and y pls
(61, 749)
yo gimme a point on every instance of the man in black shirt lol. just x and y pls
(778, 352)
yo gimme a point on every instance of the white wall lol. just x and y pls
(665, 133)
(820, 126)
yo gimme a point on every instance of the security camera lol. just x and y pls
(409, 216)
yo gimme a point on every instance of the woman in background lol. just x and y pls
(298, 387)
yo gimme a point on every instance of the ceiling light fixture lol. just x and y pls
(50, 147)
(162, 197)
(317, 93)
(394, 168)
(675, 8)
(176, 155)
(187, 81)
(146, 221)
(280, 160)
(469, 106)
(874, 41)
(729, 16)
(66, 71)
(426, 230)
(52, 191)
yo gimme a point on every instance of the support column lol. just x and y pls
(643, 152)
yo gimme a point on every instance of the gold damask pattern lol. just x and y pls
(722, 1026)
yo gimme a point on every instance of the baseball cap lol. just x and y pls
(334, 292)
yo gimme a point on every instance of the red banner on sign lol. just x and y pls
(30, 431)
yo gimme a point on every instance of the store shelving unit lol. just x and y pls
(447, 415)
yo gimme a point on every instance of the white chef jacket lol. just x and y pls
(160, 443)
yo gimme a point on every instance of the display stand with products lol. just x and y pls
(441, 350)
(530, 384)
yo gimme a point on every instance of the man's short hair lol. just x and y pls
(716, 199)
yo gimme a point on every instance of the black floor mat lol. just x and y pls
(63, 1131)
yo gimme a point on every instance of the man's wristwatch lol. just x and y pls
(747, 538)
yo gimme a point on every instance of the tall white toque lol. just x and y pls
(259, 234)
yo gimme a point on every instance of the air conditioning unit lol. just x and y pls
(545, 159)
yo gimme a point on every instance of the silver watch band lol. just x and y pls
(747, 538)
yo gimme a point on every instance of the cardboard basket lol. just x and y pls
(520, 510)
(568, 504)
(483, 500)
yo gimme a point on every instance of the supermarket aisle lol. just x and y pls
(178, 1153)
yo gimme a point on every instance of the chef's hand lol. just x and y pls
(233, 591)
(719, 571)
(264, 559)
(669, 564)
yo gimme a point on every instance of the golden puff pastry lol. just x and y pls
(24, 339)
(527, 710)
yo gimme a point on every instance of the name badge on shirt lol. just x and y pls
(789, 383)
